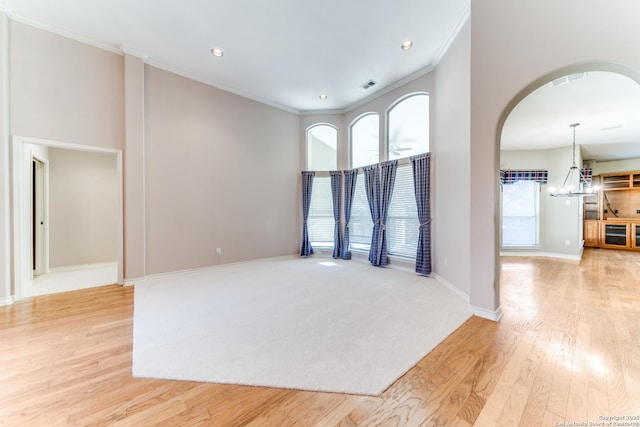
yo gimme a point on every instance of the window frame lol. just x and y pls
(385, 143)
(307, 150)
(350, 142)
(536, 216)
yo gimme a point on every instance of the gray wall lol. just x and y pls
(221, 172)
(83, 207)
(64, 90)
(452, 209)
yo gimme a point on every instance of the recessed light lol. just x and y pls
(217, 52)
(323, 96)
(406, 44)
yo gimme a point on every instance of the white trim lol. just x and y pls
(5, 162)
(385, 90)
(133, 282)
(22, 268)
(68, 34)
(133, 52)
(222, 86)
(451, 287)
(495, 315)
(321, 112)
(82, 266)
(466, 14)
(6, 301)
(577, 257)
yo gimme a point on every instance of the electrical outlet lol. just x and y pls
(567, 242)
(218, 251)
(445, 261)
(638, 211)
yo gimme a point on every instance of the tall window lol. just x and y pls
(402, 221)
(407, 135)
(320, 221)
(365, 142)
(322, 148)
(520, 212)
(408, 124)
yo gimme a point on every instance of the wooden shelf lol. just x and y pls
(620, 194)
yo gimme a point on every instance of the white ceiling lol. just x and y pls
(282, 52)
(607, 106)
(287, 52)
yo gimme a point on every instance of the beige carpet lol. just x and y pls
(310, 324)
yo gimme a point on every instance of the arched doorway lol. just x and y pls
(595, 123)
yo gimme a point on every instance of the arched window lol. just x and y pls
(364, 141)
(408, 127)
(322, 148)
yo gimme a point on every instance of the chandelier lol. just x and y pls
(574, 175)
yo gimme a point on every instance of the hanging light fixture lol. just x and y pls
(575, 174)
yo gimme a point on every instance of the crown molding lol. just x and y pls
(133, 52)
(223, 87)
(68, 34)
(466, 14)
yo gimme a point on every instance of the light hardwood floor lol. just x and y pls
(567, 350)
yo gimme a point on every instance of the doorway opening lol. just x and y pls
(55, 248)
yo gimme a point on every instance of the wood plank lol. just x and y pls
(566, 349)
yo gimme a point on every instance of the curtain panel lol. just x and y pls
(379, 181)
(307, 186)
(350, 179)
(511, 176)
(336, 194)
(421, 181)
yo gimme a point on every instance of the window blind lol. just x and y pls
(520, 209)
(320, 222)
(402, 221)
(360, 226)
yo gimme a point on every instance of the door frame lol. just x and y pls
(21, 172)
(41, 209)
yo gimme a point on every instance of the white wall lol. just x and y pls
(83, 207)
(614, 166)
(515, 47)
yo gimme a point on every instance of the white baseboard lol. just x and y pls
(131, 282)
(6, 301)
(577, 257)
(170, 274)
(495, 315)
(82, 266)
(450, 286)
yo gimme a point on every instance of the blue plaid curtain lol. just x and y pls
(307, 185)
(350, 178)
(587, 174)
(421, 179)
(379, 180)
(336, 194)
(512, 176)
